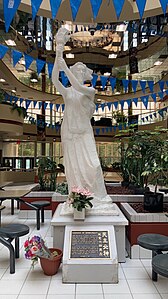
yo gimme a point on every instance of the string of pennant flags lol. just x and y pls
(32, 120)
(16, 56)
(10, 7)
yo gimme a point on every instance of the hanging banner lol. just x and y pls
(103, 81)
(129, 102)
(122, 104)
(9, 7)
(161, 94)
(41, 136)
(141, 7)
(115, 104)
(94, 79)
(64, 78)
(125, 84)
(151, 85)
(3, 50)
(55, 5)
(40, 65)
(102, 106)
(109, 106)
(57, 106)
(164, 4)
(118, 6)
(134, 85)
(95, 7)
(75, 4)
(135, 100)
(143, 85)
(145, 100)
(34, 104)
(16, 55)
(28, 60)
(35, 4)
(113, 83)
(153, 95)
(50, 68)
(161, 85)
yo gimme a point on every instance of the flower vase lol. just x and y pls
(50, 266)
(79, 215)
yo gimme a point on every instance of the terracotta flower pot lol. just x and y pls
(50, 266)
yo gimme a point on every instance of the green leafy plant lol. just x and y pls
(47, 174)
(62, 188)
(119, 117)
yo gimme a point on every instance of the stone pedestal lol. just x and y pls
(59, 222)
(90, 255)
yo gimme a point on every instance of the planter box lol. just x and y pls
(141, 223)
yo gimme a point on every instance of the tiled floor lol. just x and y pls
(134, 275)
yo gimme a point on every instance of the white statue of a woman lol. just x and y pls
(82, 165)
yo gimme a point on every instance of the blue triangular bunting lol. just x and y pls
(55, 5)
(160, 112)
(107, 129)
(145, 100)
(34, 104)
(28, 60)
(45, 105)
(153, 95)
(135, 100)
(9, 8)
(75, 4)
(94, 79)
(35, 4)
(95, 7)
(161, 85)
(27, 103)
(21, 101)
(134, 85)
(164, 4)
(64, 79)
(97, 131)
(154, 114)
(128, 102)
(141, 6)
(51, 106)
(102, 106)
(109, 105)
(3, 50)
(151, 116)
(103, 130)
(50, 68)
(16, 55)
(63, 107)
(57, 106)
(97, 107)
(40, 105)
(115, 104)
(151, 85)
(161, 94)
(112, 82)
(143, 85)
(39, 64)
(125, 84)
(147, 118)
(122, 102)
(103, 81)
(118, 5)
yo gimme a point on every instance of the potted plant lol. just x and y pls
(47, 174)
(50, 258)
(146, 161)
(80, 198)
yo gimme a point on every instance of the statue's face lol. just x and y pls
(82, 73)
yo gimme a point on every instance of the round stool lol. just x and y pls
(13, 232)
(155, 242)
(40, 205)
(160, 264)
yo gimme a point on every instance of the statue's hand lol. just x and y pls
(62, 36)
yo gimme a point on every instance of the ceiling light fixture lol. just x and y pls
(70, 55)
(158, 62)
(112, 56)
(10, 42)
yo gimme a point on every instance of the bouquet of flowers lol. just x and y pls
(80, 198)
(36, 248)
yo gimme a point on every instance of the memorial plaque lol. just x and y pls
(90, 244)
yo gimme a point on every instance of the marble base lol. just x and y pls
(59, 222)
(95, 270)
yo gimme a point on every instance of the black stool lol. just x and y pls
(40, 205)
(160, 264)
(155, 242)
(9, 233)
